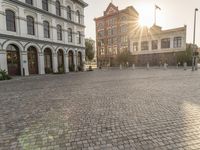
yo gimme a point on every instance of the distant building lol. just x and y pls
(118, 31)
(113, 31)
(156, 46)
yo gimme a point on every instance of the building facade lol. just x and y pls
(119, 30)
(41, 36)
(113, 31)
(156, 46)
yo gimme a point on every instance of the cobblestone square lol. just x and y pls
(102, 110)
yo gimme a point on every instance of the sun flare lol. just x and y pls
(146, 17)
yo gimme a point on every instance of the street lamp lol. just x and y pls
(194, 35)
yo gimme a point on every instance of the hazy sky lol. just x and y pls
(174, 13)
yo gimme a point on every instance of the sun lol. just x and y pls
(146, 15)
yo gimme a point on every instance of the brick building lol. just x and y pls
(113, 31)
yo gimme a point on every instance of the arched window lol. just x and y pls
(78, 16)
(30, 25)
(29, 2)
(69, 13)
(10, 21)
(58, 10)
(45, 5)
(70, 35)
(79, 37)
(46, 29)
(59, 32)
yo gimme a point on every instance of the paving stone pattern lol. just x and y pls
(102, 110)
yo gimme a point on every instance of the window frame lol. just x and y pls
(144, 45)
(58, 8)
(178, 42)
(165, 43)
(59, 32)
(11, 21)
(45, 5)
(69, 13)
(46, 29)
(30, 2)
(30, 25)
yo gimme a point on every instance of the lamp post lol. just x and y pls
(194, 35)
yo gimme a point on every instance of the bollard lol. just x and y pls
(165, 66)
(148, 66)
(120, 67)
(185, 66)
(133, 66)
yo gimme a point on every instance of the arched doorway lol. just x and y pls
(13, 60)
(48, 61)
(61, 65)
(79, 62)
(71, 61)
(32, 60)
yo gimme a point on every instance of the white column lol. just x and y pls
(3, 60)
(172, 42)
(41, 63)
(2, 19)
(55, 62)
(66, 63)
(24, 64)
(40, 27)
(75, 60)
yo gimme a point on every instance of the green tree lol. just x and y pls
(89, 50)
(124, 57)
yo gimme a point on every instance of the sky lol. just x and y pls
(173, 14)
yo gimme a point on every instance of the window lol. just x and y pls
(154, 44)
(58, 10)
(135, 46)
(109, 41)
(124, 39)
(69, 13)
(45, 5)
(165, 43)
(109, 32)
(70, 35)
(115, 40)
(30, 25)
(145, 45)
(10, 21)
(79, 37)
(46, 29)
(123, 28)
(29, 2)
(177, 42)
(100, 34)
(78, 16)
(100, 26)
(59, 32)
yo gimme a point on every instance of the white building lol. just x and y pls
(41, 36)
(157, 46)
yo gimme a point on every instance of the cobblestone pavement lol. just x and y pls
(102, 110)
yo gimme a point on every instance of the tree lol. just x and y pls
(186, 56)
(124, 57)
(89, 50)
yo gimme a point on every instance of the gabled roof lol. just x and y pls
(111, 9)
